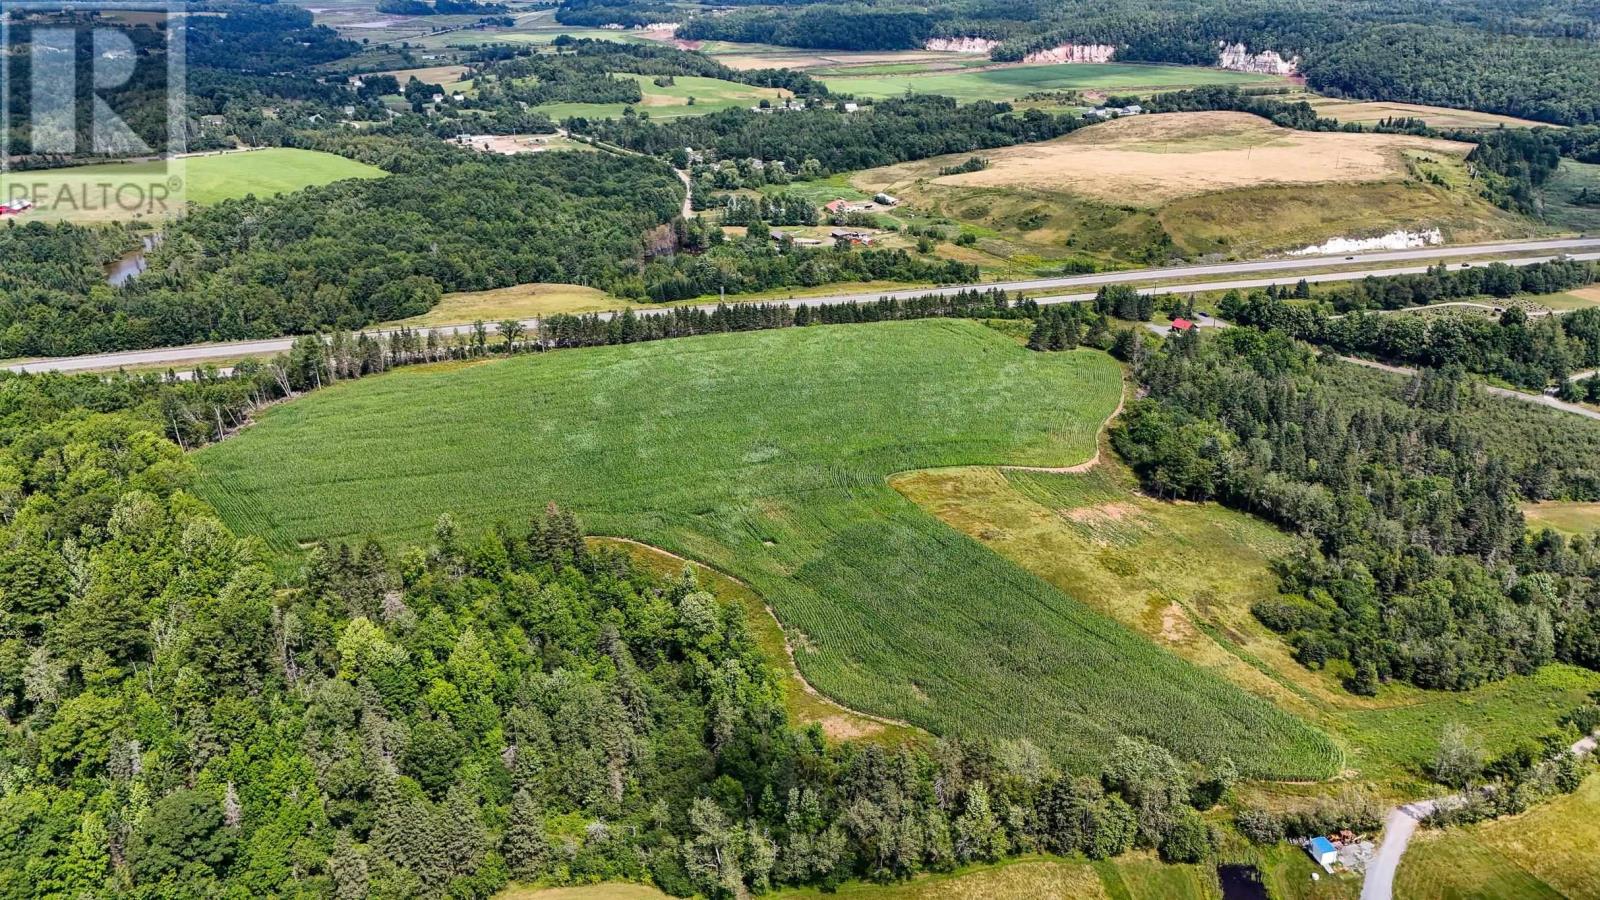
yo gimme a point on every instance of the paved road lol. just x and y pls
(181, 357)
(1378, 882)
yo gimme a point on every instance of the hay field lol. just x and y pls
(1159, 188)
(1370, 111)
(765, 455)
(710, 95)
(446, 77)
(1149, 160)
(1570, 517)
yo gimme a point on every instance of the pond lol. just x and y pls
(125, 267)
(1241, 883)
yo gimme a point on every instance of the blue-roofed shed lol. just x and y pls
(1322, 850)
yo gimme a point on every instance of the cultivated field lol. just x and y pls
(1185, 576)
(709, 94)
(1552, 851)
(210, 179)
(444, 76)
(1149, 160)
(765, 455)
(1148, 189)
(1011, 82)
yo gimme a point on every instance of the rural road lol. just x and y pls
(1378, 882)
(1524, 396)
(178, 357)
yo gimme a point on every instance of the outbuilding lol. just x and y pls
(1181, 324)
(1323, 851)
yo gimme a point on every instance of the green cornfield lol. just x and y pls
(765, 454)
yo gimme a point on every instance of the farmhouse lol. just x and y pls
(1322, 850)
(837, 207)
(15, 207)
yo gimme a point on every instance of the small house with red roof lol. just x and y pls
(1181, 324)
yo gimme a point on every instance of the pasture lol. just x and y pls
(1185, 576)
(709, 95)
(1010, 82)
(1148, 189)
(207, 179)
(765, 455)
(1550, 851)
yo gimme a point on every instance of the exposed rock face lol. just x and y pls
(1268, 62)
(961, 45)
(1073, 53)
(1394, 240)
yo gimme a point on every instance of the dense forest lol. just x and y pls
(348, 254)
(1420, 568)
(1528, 58)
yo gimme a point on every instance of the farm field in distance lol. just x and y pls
(1368, 112)
(1148, 188)
(765, 455)
(211, 179)
(709, 94)
(1010, 82)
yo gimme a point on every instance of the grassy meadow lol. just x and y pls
(1561, 192)
(709, 94)
(1550, 851)
(208, 179)
(765, 455)
(1011, 82)
(1185, 576)
(1569, 517)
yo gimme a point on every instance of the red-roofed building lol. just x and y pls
(836, 207)
(1181, 324)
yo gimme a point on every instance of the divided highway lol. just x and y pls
(1293, 267)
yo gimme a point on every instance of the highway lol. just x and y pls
(1264, 272)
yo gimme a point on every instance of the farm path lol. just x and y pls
(788, 645)
(1523, 396)
(1401, 824)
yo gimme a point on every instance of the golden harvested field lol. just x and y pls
(444, 76)
(1149, 160)
(1437, 116)
(1563, 516)
(523, 301)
